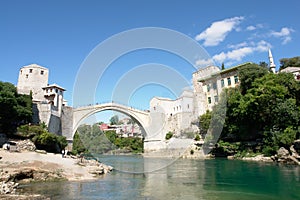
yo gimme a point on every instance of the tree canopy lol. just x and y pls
(265, 107)
(289, 62)
(15, 109)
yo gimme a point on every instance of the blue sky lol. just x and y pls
(60, 34)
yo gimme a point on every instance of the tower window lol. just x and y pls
(208, 87)
(216, 98)
(26, 75)
(236, 79)
(214, 86)
(229, 81)
(209, 100)
(30, 70)
(222, 83)
(42, 72)
(21, 71)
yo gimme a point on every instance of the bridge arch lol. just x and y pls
(141, 117)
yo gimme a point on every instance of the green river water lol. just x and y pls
(136, 177)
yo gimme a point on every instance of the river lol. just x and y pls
(136, 177)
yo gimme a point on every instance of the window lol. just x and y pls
(209, 100)
(42, 72)
(208, 87)
(26, 75)
(222, 83)
(21, 71)
(30, 70)
(215, 86)
(236, 79)
(229, 81)
(188, 106)
(216, 98)
(56, 90)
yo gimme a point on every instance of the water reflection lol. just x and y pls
(183, 179)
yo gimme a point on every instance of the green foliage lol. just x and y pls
(90, 139)
(169, 135)
(204, 122)
(42, 138)
(289, 62)
(222, 67)
(197, 138)
(15, 109)
(78, 146)
(248, 74)
(114, 120)
(265, 110)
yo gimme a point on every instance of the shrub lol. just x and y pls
(169, 135)
(197, 138)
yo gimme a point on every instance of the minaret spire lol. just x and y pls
(271, 60)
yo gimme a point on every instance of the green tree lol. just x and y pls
(114, 120)
(15, 109)
(289, 62)
(78, 146)
(248, 74)
(204, 122)
(223, 66)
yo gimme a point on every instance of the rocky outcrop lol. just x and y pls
(8, 187)
(259, 158)
(26, 145)
(290, 156)
(94, 167)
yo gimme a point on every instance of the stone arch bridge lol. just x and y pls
(151, 123)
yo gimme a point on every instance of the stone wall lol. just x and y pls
(67, 122)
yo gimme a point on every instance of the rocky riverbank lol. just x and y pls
(283, 155)
(27, 166)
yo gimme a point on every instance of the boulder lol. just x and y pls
(8, 187)
(283, 153)
(26, 145)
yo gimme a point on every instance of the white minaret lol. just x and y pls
(271, 60)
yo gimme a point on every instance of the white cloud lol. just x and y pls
(218, 31)
(284, 34)
(236, 46)
(204, 62)
(242, 50)
(250, 28)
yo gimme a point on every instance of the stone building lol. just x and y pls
(32, 78)
(48, 101)
(181, 115)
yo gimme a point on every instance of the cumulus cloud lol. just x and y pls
(284, 34)
(204, 62)
(242, 50)
(218, 31)
(252, 27)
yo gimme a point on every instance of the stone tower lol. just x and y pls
(33, 78)
(271, 60)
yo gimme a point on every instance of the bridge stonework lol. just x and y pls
(152, 124)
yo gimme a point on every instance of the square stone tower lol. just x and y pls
(32, 78)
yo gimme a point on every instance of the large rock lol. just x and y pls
(283, 153)
(26, 145)
(8, 187)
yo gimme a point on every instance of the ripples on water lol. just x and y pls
(181, 179)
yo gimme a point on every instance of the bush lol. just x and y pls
(169, 135)
(197, 138)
